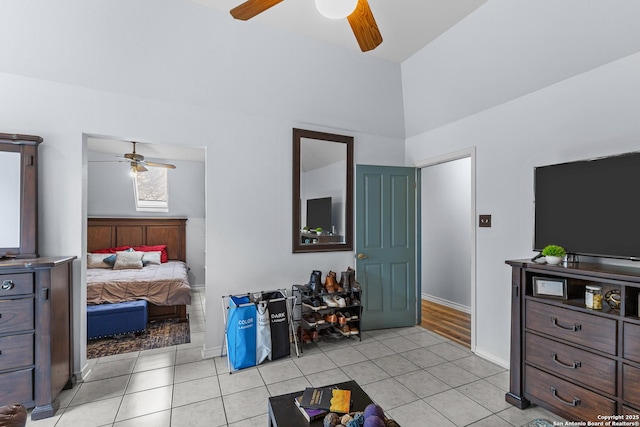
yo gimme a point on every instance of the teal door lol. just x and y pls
(386, 245)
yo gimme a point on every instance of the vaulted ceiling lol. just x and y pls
(406, 25)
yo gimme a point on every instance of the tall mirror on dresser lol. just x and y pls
(322, 192)
(36, 306)
(19, 195)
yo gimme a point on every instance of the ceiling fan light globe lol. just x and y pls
(336, 9)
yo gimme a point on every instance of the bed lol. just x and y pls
(165, 286)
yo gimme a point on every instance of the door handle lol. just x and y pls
(362, 256)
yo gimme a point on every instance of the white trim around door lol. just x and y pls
(456, 155)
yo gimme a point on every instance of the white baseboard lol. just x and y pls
(447, 303)
(211, 352)
(82, 374)
(492, 357)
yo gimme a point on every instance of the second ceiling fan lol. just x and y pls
(138, 162)
(362, 22)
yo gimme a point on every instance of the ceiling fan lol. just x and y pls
(361, 19)
(138, 162)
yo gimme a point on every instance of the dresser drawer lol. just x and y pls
(631, 342)
(579, 365)
(16, 284)
(567, 399)
(630, 411)
(16, 387)
(16, 315)
(631, 384)
(16, 351)
(580, 328)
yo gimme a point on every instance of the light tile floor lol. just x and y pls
(418, 377)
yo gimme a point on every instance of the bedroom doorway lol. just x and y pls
(447, 245)
(110, 192)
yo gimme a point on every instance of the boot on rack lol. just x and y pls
(315, 282)
(330, 283)
(351, 274)
(344, 281)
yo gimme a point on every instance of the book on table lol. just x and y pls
(330, 399)
(309, 413)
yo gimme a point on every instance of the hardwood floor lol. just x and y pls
(448, 322)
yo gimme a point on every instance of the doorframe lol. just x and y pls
(432, 161)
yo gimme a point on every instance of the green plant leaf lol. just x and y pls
(554, 250)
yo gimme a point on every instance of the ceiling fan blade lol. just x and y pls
(251, 8)
(159, 165)
(364, 27)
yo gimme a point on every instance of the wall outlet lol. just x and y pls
(484, 221)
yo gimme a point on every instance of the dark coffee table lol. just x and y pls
(283, 411)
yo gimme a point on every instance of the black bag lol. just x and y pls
(280, 345)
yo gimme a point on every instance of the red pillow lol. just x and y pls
(164, 257)
(111, 250)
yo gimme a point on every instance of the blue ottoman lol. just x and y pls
(104, 320)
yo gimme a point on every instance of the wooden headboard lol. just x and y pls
(110, 232)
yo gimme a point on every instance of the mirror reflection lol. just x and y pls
(323, 176)
(10, 199)
(322, 191)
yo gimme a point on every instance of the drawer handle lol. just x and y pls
(575, 402)
(575, 365)
(7, 285)
(576, 327)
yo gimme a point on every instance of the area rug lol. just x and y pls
(158, 334)
(539, 422)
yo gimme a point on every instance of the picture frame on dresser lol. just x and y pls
(549, 288)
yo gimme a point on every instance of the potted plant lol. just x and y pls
(553, 254)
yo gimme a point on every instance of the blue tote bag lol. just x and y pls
(241, 333)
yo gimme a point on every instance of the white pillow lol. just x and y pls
(127, 260)
(151, 258)
(97, 261)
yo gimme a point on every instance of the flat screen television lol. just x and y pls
(589, 207)
(319, 213)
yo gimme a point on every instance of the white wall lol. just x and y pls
(177, 73)
(110, 193)
(590, 112)
(446, 233)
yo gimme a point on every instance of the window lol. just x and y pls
(151, 190)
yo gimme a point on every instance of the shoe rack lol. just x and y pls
(321, 315)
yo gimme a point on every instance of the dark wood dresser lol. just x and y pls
(577, 362)
(36, 338)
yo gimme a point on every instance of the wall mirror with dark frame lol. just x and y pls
(19, 195)
(322, 192)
